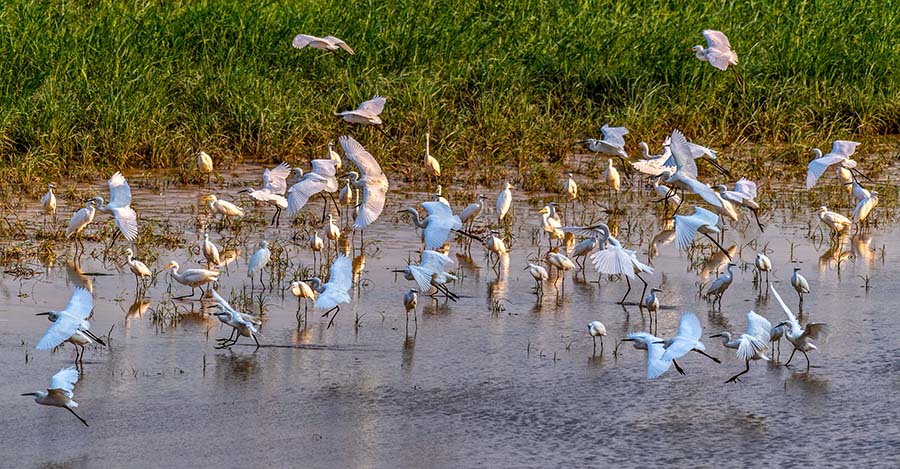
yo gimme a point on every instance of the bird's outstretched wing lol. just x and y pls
(787, 311)
(324, 168)
(302, 40)
(746, 187)
(434, 261)
(59, 331)
(126, 220)
(119, 191)
(681, 153)
(817, 330)
(613, 261)
(376, 183)
(275, 179)
(687, 338)
(656, 364)
(81, 303)
(341, 273)
(843, 148)
(686, 227)
(222, 301)
(374, 105)
(750, 346)
(614, 135)
(298, 195)
(817, 167)
(598, 231)
(716, 40)
(440, 221)
(758, 326)
(64, 380)
(340, 43)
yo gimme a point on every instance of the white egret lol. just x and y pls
(702, 221)
(258, 261)
(472, 211)
(410, 300)
(718, 286)
(332, 231)
(697, 152)
(686, 339)
(432, 167)
(223, 207)
(242, 324)
(320, 179)
(504, 201)
(562, 263)
(333, 155)
(210, 252)
(60, 392)
(651, 302)
(48, 202)
(120, 207)
(302, 291)
(775, 335)
(801, 338)
(194, 278)
(837, 222)
(71, 324)
(651, 165)
(665, 192)
(205, 165)
(437, 225)
(430, 275)
(539, 274)
(316, 244)
(551, 226)
(612, 143)
(685, 175)
(272, 192)
(345, 197)
(751, 345)
(334, 292)
(613, 180)
(859, 192)
(81, 219)
(597, 329)
(138, 268)
(370, 180)
(743, 194)
(582, 249)
(656, 365)
(840, 154)
(616, 260)
(327, 43)
(570, 187)
(800, 284)
(496, 246)
(718, 53)
(763, 264)
(368, 113)
(864, 207)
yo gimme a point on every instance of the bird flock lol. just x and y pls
(362, 193)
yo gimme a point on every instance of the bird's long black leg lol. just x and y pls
(718, 245)
(337, 309)
(678, 368)
(627, 282)
(255, 339)
(756, 215)
(701, 352)
(787, 363)
(737, 376)
(78, 417)
(643, 292)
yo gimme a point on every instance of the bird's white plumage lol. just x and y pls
(65, 380)
(275, 179)
(70, 320)
(329, 43)
(340, 279)
(440, 221)
(686, 227)
(320, 178)
(614, 135)
(681, 153)
(686, 339)
(373, 182)
(758, 326)
(656, 365)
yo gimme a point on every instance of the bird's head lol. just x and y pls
(697, 48)
(51, 315)
(545, 210)
(413, 290)
(782, 323)
(721, 334)
(796, 269)
(171, 265)
(51, 186)
(732, 264)
(129, 252)
(481, 197)
(655, 290)
(720, 188)
(822, 209)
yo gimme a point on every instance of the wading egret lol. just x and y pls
(432, 167)
(138, 268)
(656, 366)
(210, 252)
(242, 324)
(119, 207)
(864, 207)
(597, 329)
(71, 325)
(332, 231)
(775, 335)
(801, 286)
(718, 53)
(302, 291)
(801, 338)
(437, 225)
(613, 180)
(370, 180)
(48, 201)
(751, 345)
(327, 43)
(336, 290)
(840, 154)
(539, 274)
(837, 222)
(316, 244)
(410, 300)
(194, 278)
(702, 221)
(562, 263)
(551, 226)
(205, 165)
(743, 194)
(430, 275)
(258, 261)
(472, 211)
(320, 178)
(651, 302)
(274, 187)
(368, 113)
(223, 207)
(570, 187)
(718, 286)
(81, 219)
(616, 260)
(582, 249)
(333, 155)
(60, 392)
(504, 201)
(763, 264)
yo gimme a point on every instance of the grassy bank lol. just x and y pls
(111, 84)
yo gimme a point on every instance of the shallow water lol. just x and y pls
(465, 387)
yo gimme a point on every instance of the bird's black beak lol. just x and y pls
(243, 191)
(43, 314)
(627, 340)
(715, 335)
(30, 394)
(660, 342)
(398, 271)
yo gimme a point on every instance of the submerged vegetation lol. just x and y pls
(111, 84)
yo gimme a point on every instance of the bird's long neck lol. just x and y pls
(415, 218)
(316, 284)
(427, 146)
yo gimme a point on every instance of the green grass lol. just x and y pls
(99, 85)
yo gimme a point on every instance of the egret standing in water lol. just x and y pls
(718, 286)
(368, 113)
(223, 207)
(303, 292)
(432, 167)
(71, 325)
(837, 222)
(718, 53)
(410, 300)
(60, 392)
(751, 345)
(613, 180)
(801, 338)
(316, 244)
(562, 263)
(119, 207)
(540, 275)
(864, 207)
(210, 252)
(800, 284)
(597, 329)
(138, 268)
(651, 302)
(763, 264)
(194, 278)
(48, 203)
(205, 165)
(81, 219)
(504, 201)
(258, 261)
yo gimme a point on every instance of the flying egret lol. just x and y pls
(702, 221)
(651, 165)
(242, 324)
(751, 345)
(205, 165)
(410, 300)
(656, 365)
(799, 337)
(436, 227)
(540, 275)
(718, 53)
(272, 192)
(316, 244)
(504, 201)
(60, 392)
(432, 167)
(684, 177)
(210, 252)
(223, 207)
(119, 207)
(138, 268)
(327, 43)
(320, 179)
(334, 292)
(697, 152)
(71, 324)
(763, 264)
(687, 339)
(839, 154)
(48, 202)
(718, 286)
(597, 329)
(551, 226)
(613, 180)
(368, 113)
(430, 275)
(837, 222)
(612, 144)
(194, 278)
(370, 180)
(743, 194)
(258, 261)
(651, 302)
(81, 219)
(616, 260)
(302, 291)
(864, 207)
(800, 284)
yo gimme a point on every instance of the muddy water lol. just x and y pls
(466, 386)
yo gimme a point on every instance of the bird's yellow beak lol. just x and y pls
(169, 265)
